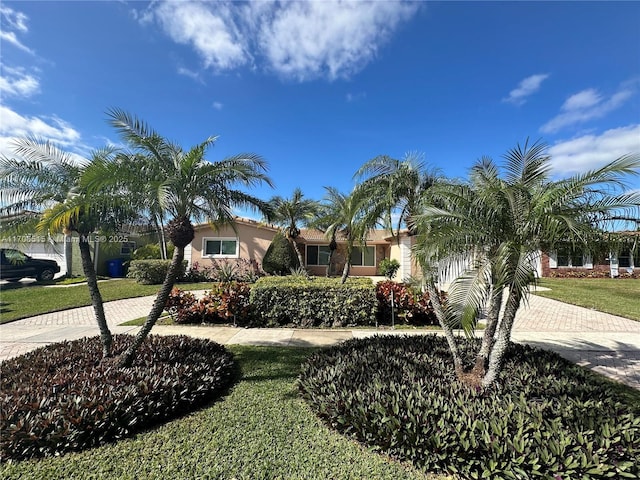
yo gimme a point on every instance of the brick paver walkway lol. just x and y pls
(605, 343)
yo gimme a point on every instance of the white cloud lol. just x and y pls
(354, 97)
(334, 39)
(15, 20)
(191, 74)
(592, 151)
(526, 88)
(17, 83)
(299, 40)
(217, 105)
(587, 105)
(10, 22)
(209, 28)
(52, 128)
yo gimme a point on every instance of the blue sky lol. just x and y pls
(318, 88)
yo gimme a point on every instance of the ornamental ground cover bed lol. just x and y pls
(63, 397)
(545, 418)
(262, 429)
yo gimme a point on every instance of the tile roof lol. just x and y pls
(314, 235)
(245, 221)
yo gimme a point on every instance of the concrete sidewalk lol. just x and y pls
(605, 343)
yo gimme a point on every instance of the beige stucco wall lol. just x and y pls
(338, 262)
(403, 254)
(253, 240)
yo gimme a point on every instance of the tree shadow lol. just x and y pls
(620, 362)
(275, 362)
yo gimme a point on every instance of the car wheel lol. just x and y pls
(46, 275)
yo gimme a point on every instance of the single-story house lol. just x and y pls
(249, 240)
(567, 261)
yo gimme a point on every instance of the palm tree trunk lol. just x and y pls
(329, 263)
(94, 292)
(297, 250)
(68, 253)
(158, 306)
(345, 270)
(163, 242)
(493, 314)
(446, 328)
(504, 336)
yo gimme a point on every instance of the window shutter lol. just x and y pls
(553, 259)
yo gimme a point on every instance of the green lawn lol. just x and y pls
(611, 295)
(260, 430)
(25, 300)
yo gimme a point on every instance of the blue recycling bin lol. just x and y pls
(114, 267)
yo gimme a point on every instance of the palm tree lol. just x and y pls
(186, 186)
(47, 178)
(397, 186)
(499, 221)
(344, 214)
(291, 213)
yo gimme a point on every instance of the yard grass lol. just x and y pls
(26, 300)
(610, 295)
(261, 430)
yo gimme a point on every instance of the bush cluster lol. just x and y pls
(411, 306)
(60, 398)
(388, 267)
(313, 302)
(545, 417)
(224, 302)
(151, 272)
(585, 273)
(229, 270)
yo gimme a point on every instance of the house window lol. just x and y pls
(318, 254)
(629, 258)
(127, 248)
(570, 257)
(363, 256)
(220, 247)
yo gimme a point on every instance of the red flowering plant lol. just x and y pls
(411, 305)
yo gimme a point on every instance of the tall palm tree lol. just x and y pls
(47, 179)
(344, 214)
(499, 221)
(397, 187)
(186, 187)
(291, 213)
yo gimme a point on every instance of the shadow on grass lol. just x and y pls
(270, 363)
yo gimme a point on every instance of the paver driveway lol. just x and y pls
(606, 343)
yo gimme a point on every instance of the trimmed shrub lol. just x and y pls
(151, 272)
(58, 398)
(313, 302)
(544, 418)
(412, 306)
(280, 257)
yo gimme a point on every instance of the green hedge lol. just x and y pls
(151, 272)
(314, 302)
